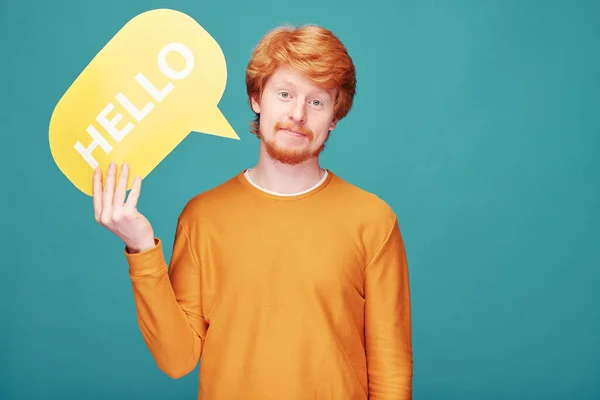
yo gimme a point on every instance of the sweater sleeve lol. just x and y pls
(388, 321)
(168, 304)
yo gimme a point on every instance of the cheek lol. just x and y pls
(272, 110)
(321, 124)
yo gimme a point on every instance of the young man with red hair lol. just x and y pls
(286, 281)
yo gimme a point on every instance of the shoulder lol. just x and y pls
(370, 206)
(365, 213)
(212, 201)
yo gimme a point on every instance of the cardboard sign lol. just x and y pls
(159, 78)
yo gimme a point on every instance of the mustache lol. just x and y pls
(294, 128)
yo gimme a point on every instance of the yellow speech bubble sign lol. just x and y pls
(159, 78)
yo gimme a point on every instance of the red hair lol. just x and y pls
(309, 49)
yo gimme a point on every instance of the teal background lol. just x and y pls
(477, 121)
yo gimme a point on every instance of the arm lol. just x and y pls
(168, 304)
(388, 321)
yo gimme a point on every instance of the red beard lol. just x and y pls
(288, 154)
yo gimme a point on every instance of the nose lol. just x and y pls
(297, 112)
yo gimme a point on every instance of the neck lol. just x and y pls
(284, 178)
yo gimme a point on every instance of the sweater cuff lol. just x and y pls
(147, 262)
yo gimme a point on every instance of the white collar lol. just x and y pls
(247, 175)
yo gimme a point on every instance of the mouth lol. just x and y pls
(293, 133)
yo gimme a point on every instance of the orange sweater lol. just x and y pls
(281, 297)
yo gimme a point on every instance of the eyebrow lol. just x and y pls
(284, 82)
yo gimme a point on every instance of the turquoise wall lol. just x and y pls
(477, 121)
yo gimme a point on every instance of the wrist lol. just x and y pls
(141, 246)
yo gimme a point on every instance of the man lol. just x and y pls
(286, 281)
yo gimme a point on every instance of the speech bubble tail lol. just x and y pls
(215, 123)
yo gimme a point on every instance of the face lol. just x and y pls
(296, 116)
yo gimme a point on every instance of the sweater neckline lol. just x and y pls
(246, 181)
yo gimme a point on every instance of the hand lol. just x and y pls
(121, 217)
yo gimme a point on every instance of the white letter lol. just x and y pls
(128, 105)
(110, 125)
(168, 71)
(158, 96)
(86, 153)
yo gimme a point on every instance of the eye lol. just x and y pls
(285, 95)
(316, 103)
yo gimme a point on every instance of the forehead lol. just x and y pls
(287, 76)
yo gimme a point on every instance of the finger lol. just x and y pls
(134, 195)
(109, 190)
(97, 192)
(119, 197)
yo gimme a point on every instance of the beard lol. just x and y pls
(288, 154)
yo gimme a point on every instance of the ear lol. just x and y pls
(333, 125)
(255, 105)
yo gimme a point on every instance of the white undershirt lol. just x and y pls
(247, 175)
